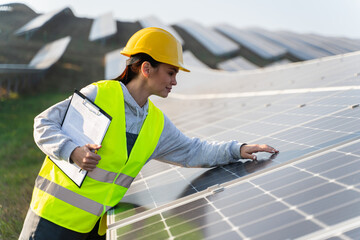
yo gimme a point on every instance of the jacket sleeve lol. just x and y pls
(48, 135)
(176, 148)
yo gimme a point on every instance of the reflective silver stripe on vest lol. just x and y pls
(102, 175)
(109, 177)
(69, 197)
(124, 180)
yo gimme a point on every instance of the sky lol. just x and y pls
(337, 18)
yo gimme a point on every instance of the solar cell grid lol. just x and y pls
(299, 141)
(229, 135)
(311, 186)
(354, 234)
(294, 185)
(350, 81)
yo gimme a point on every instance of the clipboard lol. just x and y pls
(84, 123)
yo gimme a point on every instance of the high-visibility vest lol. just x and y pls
(55, 196)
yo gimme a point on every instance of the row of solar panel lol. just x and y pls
(43, 59)
(288, 202)
(268, 45)
(310, 190)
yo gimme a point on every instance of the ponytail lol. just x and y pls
(133, 65)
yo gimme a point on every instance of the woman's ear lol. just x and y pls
(146, 69)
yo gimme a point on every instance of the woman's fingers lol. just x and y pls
(265, 148)
(93, 147)
(89, 163)
(246, 151)
(85, 158)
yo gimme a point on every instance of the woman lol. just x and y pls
(138, 132)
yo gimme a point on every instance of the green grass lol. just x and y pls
(20, 158)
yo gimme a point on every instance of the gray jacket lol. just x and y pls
(173, 146)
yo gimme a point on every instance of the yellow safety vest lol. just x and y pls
(55, 196)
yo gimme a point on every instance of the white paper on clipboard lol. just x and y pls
(84, 123)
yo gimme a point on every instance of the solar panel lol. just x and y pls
(50, 53)
(39, 21)
(298, 48)
(330, 44)
(44, 58)
(236, 64)
(192, 61)
(115, 64)
(350, 45)
(280, 62)
(17, 68)
(286, 202)
(308, 190)
(212, 40)
(258, 44)
(104, 26)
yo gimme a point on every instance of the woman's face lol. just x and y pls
(162, 79)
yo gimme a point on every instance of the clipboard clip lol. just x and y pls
(91, 107)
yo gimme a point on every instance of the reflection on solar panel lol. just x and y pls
(310, 190)
(350, 45)
(328, 45)
(50, 53)
(212, 40)
(258, 44)
(191, 61)
(236, 64)
(295, 44)
(39, 21)
(44, 58)
(153, 21)
(280, 62)
(115, 64)
(102, 27)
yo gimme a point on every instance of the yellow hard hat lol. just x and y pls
(159, 44)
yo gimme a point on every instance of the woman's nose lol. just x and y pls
(174, 82)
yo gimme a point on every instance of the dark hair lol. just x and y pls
(133, 65)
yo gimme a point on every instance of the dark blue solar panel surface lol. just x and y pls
(292, 201)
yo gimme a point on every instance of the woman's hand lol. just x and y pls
(85, 156)
(246, 151)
